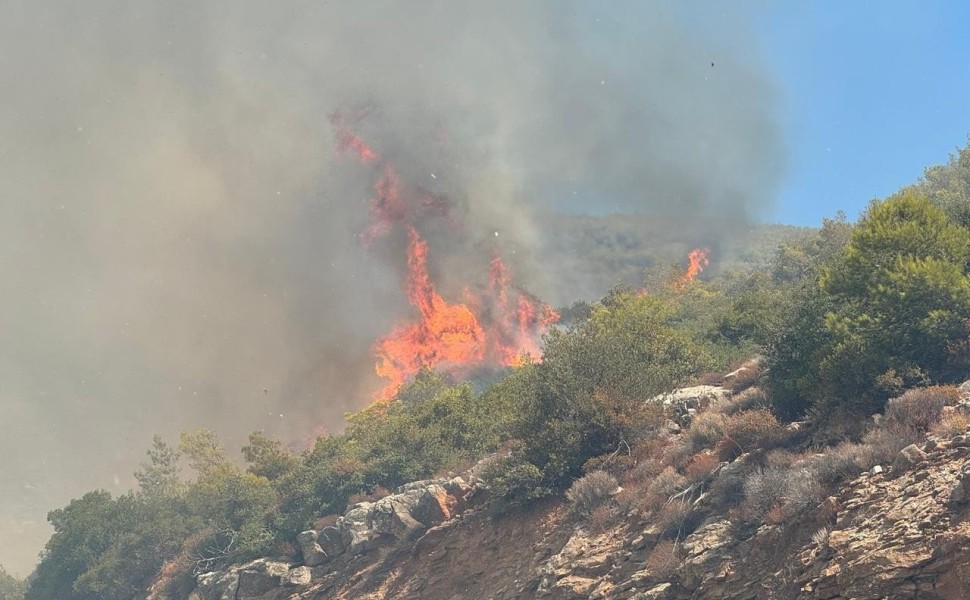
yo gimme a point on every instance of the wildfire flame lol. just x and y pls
(498, 325)
(697, 259)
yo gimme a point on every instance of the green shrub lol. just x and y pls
(513, 481)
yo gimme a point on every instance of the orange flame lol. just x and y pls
(348, 141)
(697, 259)
(499, 326)
(444, 334)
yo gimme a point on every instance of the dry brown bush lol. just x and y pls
(774, 494)
(762, 491)
(781, 459)
(881, 444)
(285, 550)
(590, 491)
(663, 560)
(701, 466)
(641, 475)
(672, 519)
(953, 422)
(743, 378)
(603, 517)
(666, 484)
(616, 464)
(709, 378)
(841, 462)
(747, 431)
(776, 515)
(375, 494)
(920, 408)
(706, 430)
(678, 453)
(326, 521)
(803, 490)
(753, 398)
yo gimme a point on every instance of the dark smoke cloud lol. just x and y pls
(178, 240)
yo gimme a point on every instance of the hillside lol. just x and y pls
(587, 255)
(896, 530)
(794, 430)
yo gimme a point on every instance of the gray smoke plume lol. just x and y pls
(179, 240)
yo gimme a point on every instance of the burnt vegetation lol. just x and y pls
(850, 321)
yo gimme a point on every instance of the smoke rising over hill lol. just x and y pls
(181, 248)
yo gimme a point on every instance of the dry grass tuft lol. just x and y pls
(952, 423)
(753, 398)
(747, 431)
(591, 491)
(701, 466)
(326, 521)
(663, 560)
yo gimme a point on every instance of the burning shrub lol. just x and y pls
(590, 491)
(746, 431)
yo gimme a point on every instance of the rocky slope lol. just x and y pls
(899, 531)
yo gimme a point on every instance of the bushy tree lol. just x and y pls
(886, 314)
(594, 383)
(11, 588)
(948, 186)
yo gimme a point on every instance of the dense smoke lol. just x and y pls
(179, 242)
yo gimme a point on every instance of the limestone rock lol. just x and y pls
(392, 515)
(908, 457)
(331, 542)
(434, 506)
(259, 577)
(355, 528)
(313, 554)
(297, 576)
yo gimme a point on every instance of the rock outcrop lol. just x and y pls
(899, 531)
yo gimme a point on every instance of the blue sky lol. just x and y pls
(873, 93)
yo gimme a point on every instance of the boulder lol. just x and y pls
(392, 515)
(313, 554)
(259, 577)
(355, 528)
(217, 585)
(331, 542)
(908, 457)
(434, 506)
(297, 576)
(657, 592)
